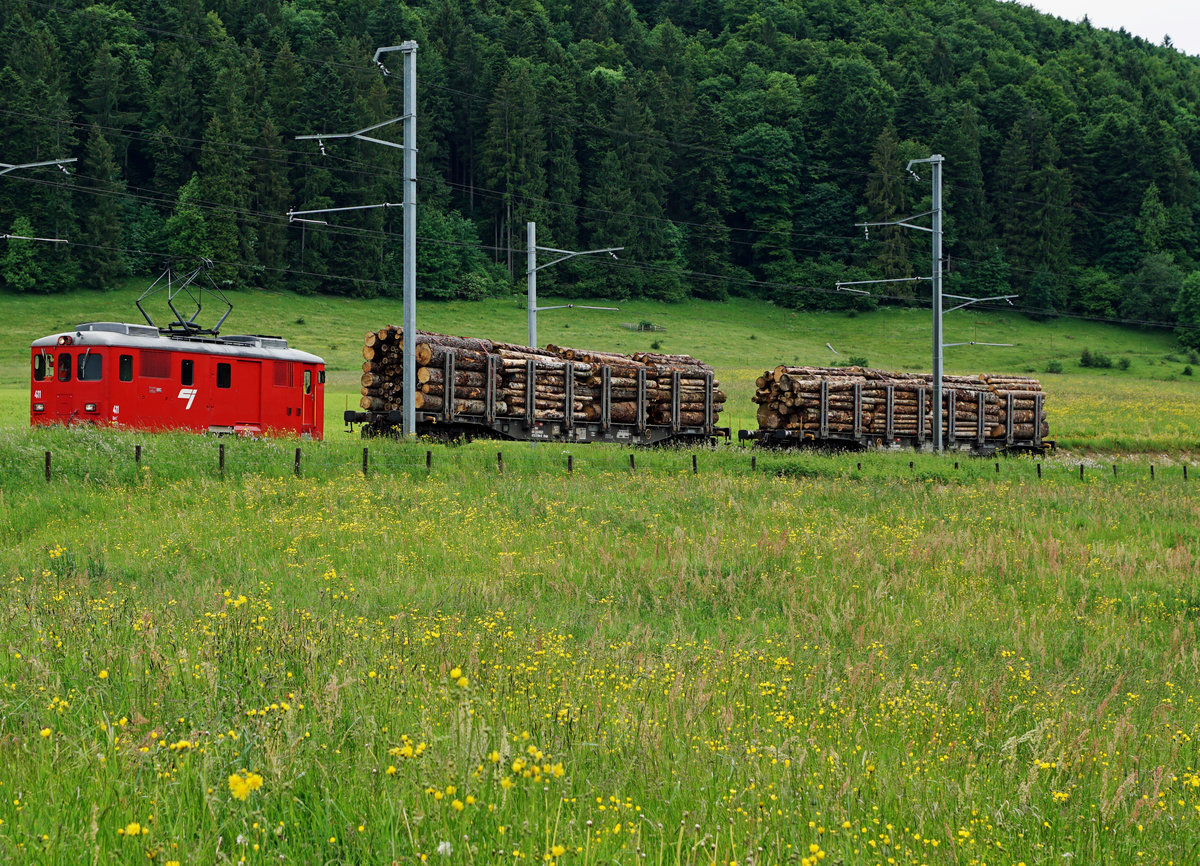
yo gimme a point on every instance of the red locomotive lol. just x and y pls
(177, 378)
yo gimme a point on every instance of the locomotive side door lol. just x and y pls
(308, 399)
(247, 392)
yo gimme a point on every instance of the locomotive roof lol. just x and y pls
(148, 337)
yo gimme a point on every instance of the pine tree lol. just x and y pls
(1152, 220)
(1050, 187)
(187, 227)
(110, 100)
(700, 193)
(514, 155)
(270, 198)
(885, 202)
(22, 268)
(959, 141)
(1187, 311)
(223, 192)
(102, 257)
(608, 221)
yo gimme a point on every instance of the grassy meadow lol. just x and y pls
(876, 658)
(808, 661)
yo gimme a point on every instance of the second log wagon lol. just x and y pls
(858, 407)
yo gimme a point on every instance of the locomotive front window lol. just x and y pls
(321, 377)
(43, 367)
(91, 367)
(224, 376)
(64, 367)
(187, 372)
(125, 368)
(308, 381)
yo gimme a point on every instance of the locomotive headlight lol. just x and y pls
(89, 407)
(65, 340)
(39, 407)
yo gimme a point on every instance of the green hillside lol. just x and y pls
(1158, 404)
(730, 148)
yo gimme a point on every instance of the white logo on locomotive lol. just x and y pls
(189, 394)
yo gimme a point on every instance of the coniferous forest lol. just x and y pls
(730, 146)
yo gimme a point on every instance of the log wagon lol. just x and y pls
(860, 408)
(473, 388)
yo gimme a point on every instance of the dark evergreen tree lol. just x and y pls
(886, 201)
(1187, 311)
(514, 156)
(101, 255)
(22, 267)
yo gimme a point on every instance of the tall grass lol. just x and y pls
(832, 658)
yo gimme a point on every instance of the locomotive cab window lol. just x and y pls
(308, 381)
(43, 367)
(64, 367)
(224, 376)
(91, 367)
(187, 372)
(125, 368)
(321, 377)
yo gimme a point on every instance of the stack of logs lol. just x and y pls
(382, 379)
(789, 398)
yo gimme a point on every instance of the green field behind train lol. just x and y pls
(1146, 401)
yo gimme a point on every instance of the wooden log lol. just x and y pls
(446, 341)
(436, 376)
(612, 359)
(623, 413)
(518, 403)
(464, 359)
(431, 403)
(462, 393)
(503, 348)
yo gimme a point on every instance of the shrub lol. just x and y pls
(1088, 358)
(1054, 366)
(1187, 371)
(656, 345)
(1123, 363)
(858, 361)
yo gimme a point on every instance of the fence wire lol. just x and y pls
(93, 456)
